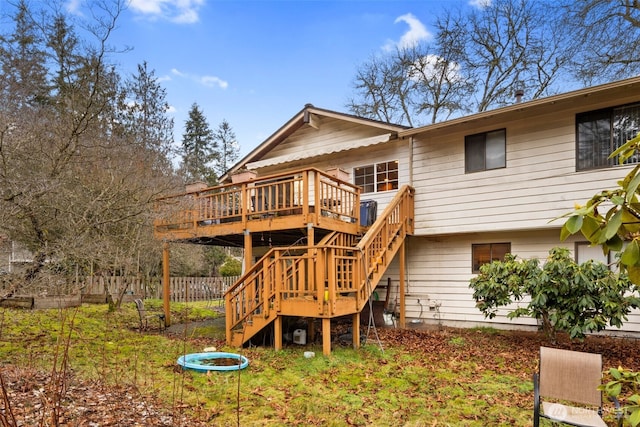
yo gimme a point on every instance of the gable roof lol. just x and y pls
(608, 91)
(308, 116)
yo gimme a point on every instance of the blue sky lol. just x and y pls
(257, 63)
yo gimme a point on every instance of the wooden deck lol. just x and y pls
(319, 261)
(284, 205)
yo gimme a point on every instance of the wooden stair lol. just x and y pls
(333, 278)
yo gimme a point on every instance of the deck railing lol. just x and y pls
(308, 192)
(323, 274)
(378, 244)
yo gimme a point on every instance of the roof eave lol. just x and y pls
(519, 107)
(297, 121)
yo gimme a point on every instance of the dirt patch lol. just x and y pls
(210, 328)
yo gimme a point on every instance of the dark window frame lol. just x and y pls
(614, 122)
(476, 262)
(475, 151)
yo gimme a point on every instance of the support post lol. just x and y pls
(248, 250)
(166, 277)
(326, 336)
(277, 332)
(356, 330)
(403, 319)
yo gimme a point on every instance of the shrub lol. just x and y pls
(564, 296)
(231, 267)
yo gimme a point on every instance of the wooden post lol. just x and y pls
(403, 319)
(166, 277)
(326, 336)
(248, 250)
(277, 333)
(356, 330)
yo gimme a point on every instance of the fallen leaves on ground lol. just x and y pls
(80, 403)
(32, 398)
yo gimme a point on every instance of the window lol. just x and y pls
(485, 253)
(484, 151)
(377, 177)
(600, 133)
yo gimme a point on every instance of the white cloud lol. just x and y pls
(208, 81)
(177, 72)
(178, 11)
(73, 7)
(480, 4)
(416, 33)
(213, 81)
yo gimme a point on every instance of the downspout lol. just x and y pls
(408, 273)
(411, 160)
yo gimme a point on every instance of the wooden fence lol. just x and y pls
(183, 289)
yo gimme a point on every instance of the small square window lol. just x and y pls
(377, 177)
(484, 151)
(485, 253)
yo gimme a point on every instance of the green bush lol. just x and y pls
(231, 267)
(564, 296)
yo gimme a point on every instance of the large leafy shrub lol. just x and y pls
(562, 295)
(611, 218)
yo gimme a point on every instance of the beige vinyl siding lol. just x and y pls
(397, 149)
(331, 135)
(439, 270)
(538, 184)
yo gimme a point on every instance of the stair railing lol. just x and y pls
(322, 273)
(379, 245)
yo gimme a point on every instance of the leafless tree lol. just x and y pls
(511, 43)
(382, 90)
(607, 32)
(476, 60)
(77, 189)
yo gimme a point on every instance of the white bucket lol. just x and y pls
(388, 318)
(300, 336)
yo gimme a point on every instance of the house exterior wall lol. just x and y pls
(515, 204)
(454, 210)
(340, 134)
(538, 184)
(438, 272)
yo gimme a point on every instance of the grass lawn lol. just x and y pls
(473, 377)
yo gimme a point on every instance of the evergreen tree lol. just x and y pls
(64, 45)
(199, 148)
(145, 113)
(22, 62)
(228, 148)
